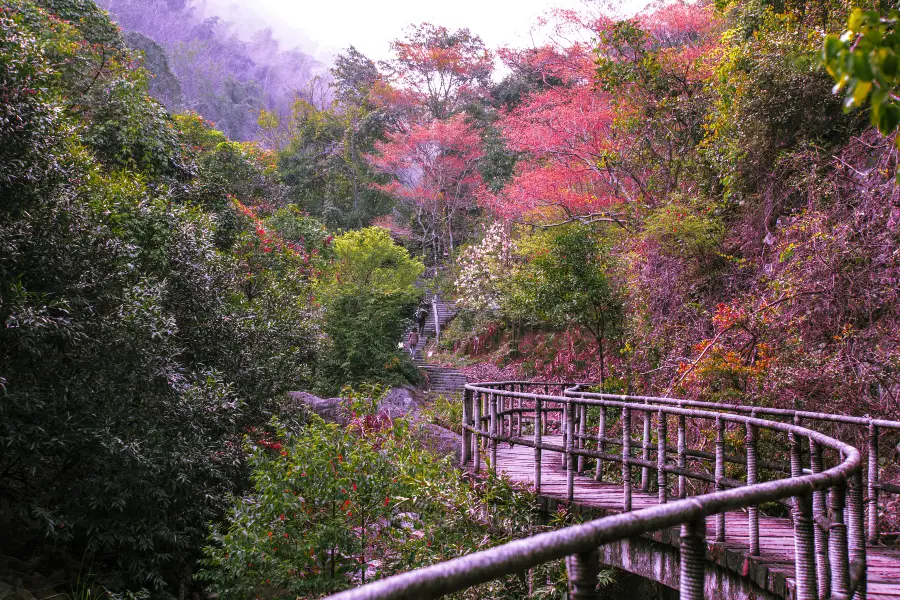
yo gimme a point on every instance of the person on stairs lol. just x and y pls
(412, 342)
(421, 316)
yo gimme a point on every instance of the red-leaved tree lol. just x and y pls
(436, 71)
(435, 175)
(613, 121)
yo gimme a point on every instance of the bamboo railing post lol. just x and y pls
(837, 543)
(645, 453)
(519, 403)
(477, 449)
(682, 456)
(582, 431)
(856, 532)
(466, 435)
(626, 457)
(720, 475)
(538, 431)
(601, 443)
(564, 431)
(582, 570)
(571, 459)
(804, 545)
(752, 479)
(872, 483)
(500, 400)
(545, 421)
(661, 479)
(693, 560)
(796, 456)
(820, 509)
(492, 407)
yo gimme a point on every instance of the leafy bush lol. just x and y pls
(333, 506)
(684, 231)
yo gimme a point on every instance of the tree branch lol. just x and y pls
(712, 342)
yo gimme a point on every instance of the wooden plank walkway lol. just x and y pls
(776, 534)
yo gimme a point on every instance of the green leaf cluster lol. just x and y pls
(863, 61)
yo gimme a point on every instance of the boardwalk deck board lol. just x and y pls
(776, 534)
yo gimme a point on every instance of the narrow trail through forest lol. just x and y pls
(440, 379)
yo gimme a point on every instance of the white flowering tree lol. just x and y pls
(482, 268)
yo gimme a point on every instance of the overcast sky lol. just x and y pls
(325, 27)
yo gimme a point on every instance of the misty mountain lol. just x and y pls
(205, 63)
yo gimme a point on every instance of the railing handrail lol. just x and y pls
(517, 556)
(758, 410)
(577, 542)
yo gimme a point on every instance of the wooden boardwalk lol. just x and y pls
(776, 534)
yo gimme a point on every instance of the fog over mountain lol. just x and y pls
(220, 59)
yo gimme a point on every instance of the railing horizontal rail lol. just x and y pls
(738, 408)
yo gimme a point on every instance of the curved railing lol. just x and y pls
(821, 481)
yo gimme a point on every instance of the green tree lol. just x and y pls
(324, 165)
(368, 295)
(567, 282)
(130, 358)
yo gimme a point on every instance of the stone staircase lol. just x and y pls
(444, 380)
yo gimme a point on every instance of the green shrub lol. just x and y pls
(334, 506)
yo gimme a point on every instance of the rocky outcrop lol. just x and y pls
(442, 442)
(399, 402)
(330, 409)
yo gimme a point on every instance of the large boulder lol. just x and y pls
(399, 402)
(442, 442)
(330, 409)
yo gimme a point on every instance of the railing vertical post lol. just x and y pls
(582, 431)
(479, 397)
(752, 478)
(571, 461)
(583, 570)
(804, 545)
(492, 406)
(693, 560)
(601, 443)
(645, 453)
(626, 457)
(720, 475)
(500, 400)
(682, 456)
(519, 414)
(538, 431)
(507, 405)
(796, 464)
(819, 508)
(837, 543)
(466, 436)
(872, 484)
(545, 421)
(564, 431)
(661, 434)
(856, 532)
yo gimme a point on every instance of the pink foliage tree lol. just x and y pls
(434, 169)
